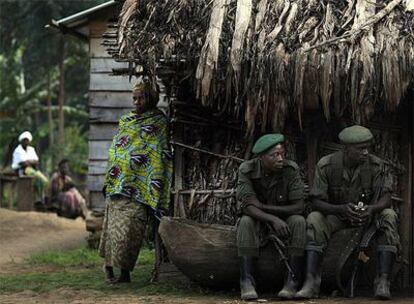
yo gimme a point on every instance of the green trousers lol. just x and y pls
(320, 228)
(250, 235)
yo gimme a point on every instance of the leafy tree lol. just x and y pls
(29, 58)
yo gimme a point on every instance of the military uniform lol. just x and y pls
(337, 184)
(269, 180)
(279, 188)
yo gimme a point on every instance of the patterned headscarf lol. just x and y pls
(141, 87)
(150, 94)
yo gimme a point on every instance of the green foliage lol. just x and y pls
(75, 149)
(82, 269)
(29, 53)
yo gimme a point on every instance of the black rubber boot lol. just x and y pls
(124, 277)
(382, 281)
(293, 281)
(109, 274)
(312, 283)
(247, 284)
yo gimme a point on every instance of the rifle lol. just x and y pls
(280, 248)
(367, 234)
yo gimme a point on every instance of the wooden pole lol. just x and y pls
(410, 196)
(206, 191)
(179, 209)
(49, 115)
(61, 98)
(206, 152)
(406, 187)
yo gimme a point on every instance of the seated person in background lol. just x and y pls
(63, 194)
(25, 161)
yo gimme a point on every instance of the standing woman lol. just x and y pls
(137, 182)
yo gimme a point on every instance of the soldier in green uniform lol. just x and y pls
(270, 193)
(340, 180)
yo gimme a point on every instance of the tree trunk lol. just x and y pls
(49, 115)
(61, 98)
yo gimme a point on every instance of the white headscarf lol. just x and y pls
(26, 134)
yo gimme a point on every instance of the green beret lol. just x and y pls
(266, 142)
(355, 135)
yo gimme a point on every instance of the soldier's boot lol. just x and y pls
(247, 284)
(312, 283)
(124, 277)
(109, 274)
(382, 281)
(292, 282)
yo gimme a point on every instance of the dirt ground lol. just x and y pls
(82, 297)
(25, 233)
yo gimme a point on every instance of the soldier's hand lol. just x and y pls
(350, 213)
(365, 215)
(280, 228)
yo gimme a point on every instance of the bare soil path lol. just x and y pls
(25, 233)
(89, 297)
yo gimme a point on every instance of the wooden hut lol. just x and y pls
(109, 88)
(109, 94)
(235, 69)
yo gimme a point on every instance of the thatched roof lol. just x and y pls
(265, 59)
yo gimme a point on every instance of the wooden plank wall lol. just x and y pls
(109, 99)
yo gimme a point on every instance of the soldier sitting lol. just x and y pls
(340, 179)
(270, 191)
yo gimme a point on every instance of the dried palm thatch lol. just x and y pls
(262, 59)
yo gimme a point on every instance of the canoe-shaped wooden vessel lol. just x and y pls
(207, 254)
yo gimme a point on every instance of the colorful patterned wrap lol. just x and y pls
(140, 160)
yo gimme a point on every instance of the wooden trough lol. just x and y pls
(207, 254)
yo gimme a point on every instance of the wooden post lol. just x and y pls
(409, 207)
(179, 209)
(25, 194)
(61, 96)
(406, 186)
(406, 214)
(49, 115)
